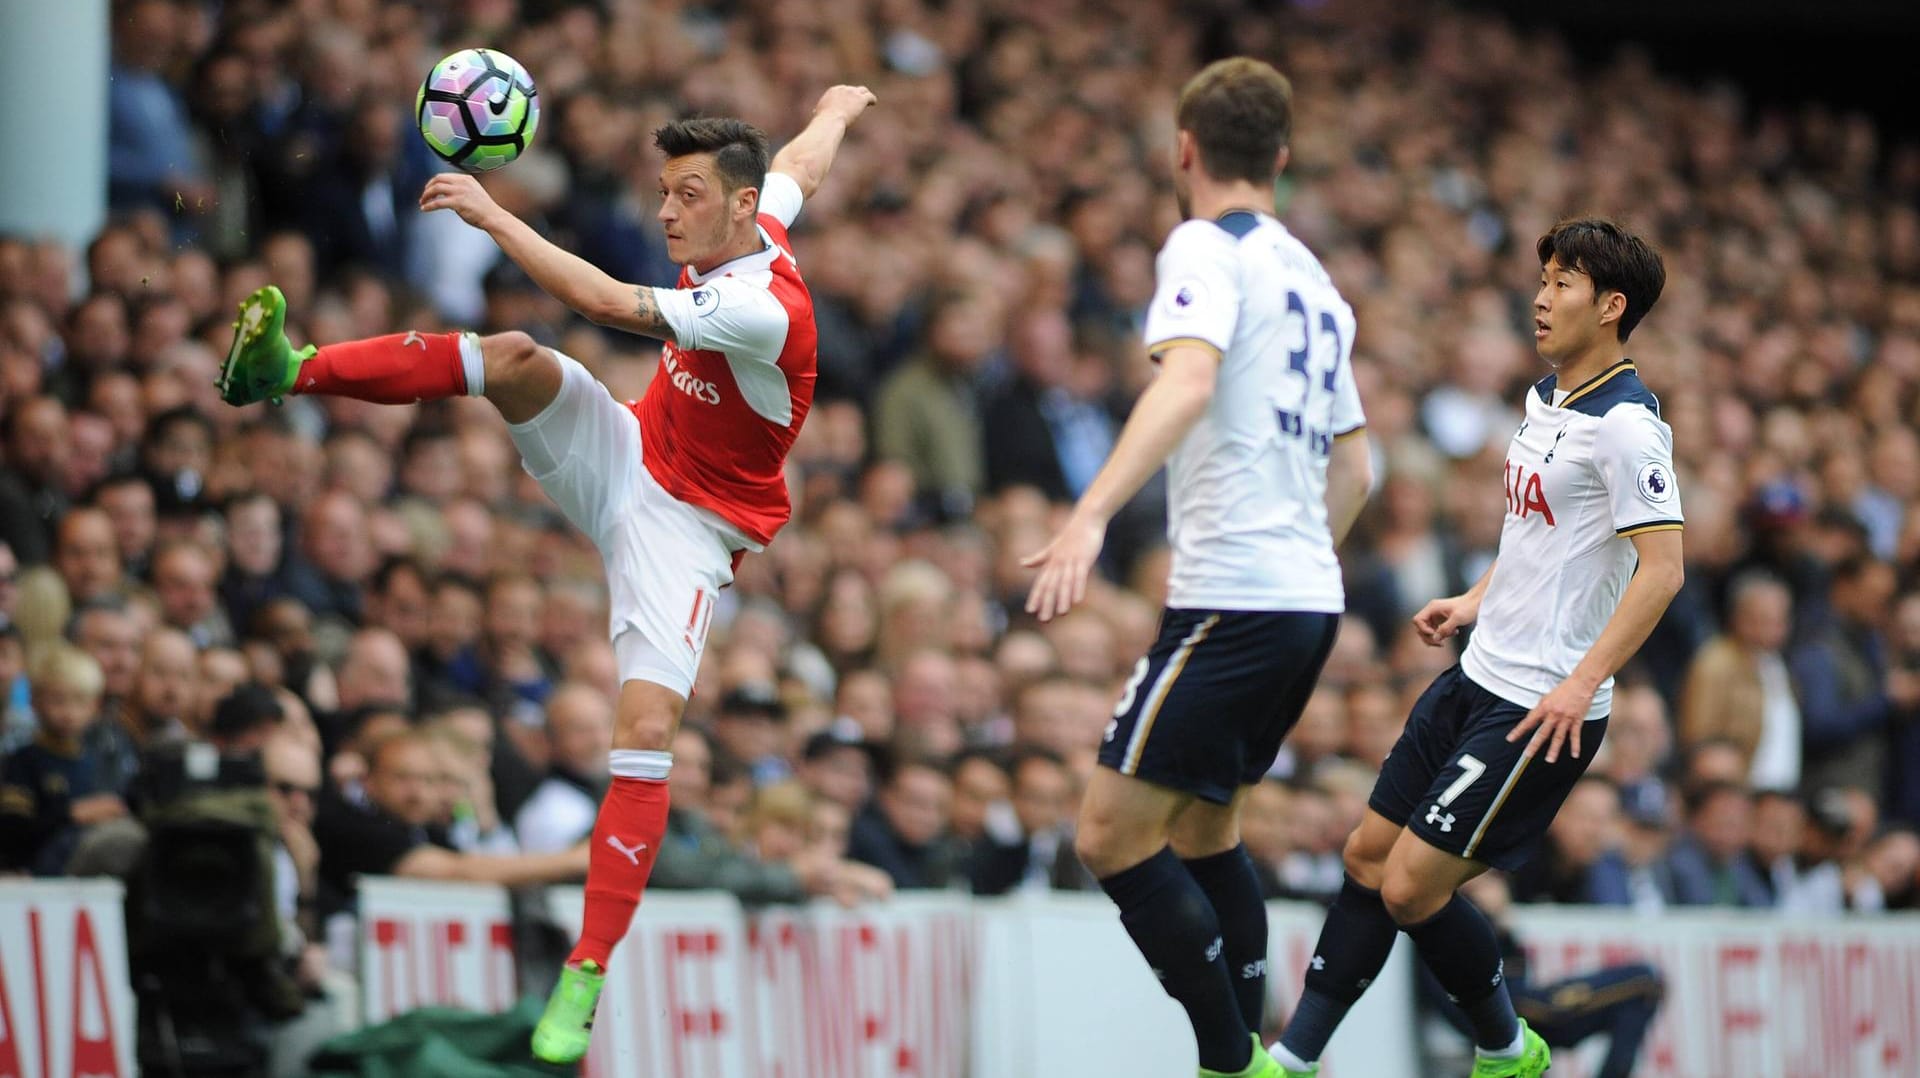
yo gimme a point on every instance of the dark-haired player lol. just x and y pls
(1256, 416)
(672, 489)
(1495, 744)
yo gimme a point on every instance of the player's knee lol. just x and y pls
(1409, 899)
(509, 356)
(647, 725)
(1104, 846)
(1364, 864)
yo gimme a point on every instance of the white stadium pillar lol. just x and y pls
(53, 139)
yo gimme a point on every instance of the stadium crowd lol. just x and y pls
(375, 604)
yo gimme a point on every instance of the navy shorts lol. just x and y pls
(1455, 780)
(1207, 707)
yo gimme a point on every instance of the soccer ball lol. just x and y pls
(478, 109)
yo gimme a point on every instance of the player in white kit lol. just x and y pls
(1589, 558)
(1257, 419)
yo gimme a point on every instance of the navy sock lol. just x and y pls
(1178, 933)
(1354, 945)
(1460, 948)
(1233, 887)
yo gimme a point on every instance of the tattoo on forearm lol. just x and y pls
(647, 312)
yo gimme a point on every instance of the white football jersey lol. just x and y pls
(1247, 513)
(1586, 472)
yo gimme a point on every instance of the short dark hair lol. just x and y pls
(739, 149)
(1616, 259)
(1240, 114)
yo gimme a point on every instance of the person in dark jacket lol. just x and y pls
(1709, 863)
(904, 832)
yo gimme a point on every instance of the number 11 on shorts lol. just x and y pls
(699, 620)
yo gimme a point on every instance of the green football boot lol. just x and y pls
(1532, 1062)
(1262, 1065)
(566, 1028)
(261, 365)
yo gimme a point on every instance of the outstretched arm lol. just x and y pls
(808, 157)
(565, 276)
(1169, 408)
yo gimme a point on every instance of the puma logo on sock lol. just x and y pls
(632, 852)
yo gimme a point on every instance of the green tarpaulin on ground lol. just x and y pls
(438, 1042)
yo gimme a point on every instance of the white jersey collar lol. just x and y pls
(758, 260)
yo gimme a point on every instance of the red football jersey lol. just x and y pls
(728, 400)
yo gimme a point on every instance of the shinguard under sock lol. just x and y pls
(1176, 930)
(400, 368)
(1354, 945)
(1232, 886)
(1460, 948)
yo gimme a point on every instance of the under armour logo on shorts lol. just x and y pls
(1445, 820)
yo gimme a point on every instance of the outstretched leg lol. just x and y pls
(509, 369)
(1354, 945)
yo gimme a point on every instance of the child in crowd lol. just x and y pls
(54, 788)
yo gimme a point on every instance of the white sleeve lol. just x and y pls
(1347, 416)
(781, 197)
(1633, 452)
(1198, 294)
(726, 315)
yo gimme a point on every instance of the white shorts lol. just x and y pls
(666, 560)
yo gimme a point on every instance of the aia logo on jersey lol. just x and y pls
(683, 380)
(1525, 493)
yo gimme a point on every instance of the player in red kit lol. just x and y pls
(672, 489)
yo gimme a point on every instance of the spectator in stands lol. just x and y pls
(87, 557)
(9, 580)
(336, 556)
(1040, 855)
(1645, 839)
(17, 725)
(1044, 435)
(55, 787)
(183, 579)
(837, 764)
(561, 810)
(1639, 739)
(1903, 803)
(105, 629)
(254, 565)
(388, 834)
(1847, 691)
(129, 504)
(1581, 864)
(375, 672)
(150, 145)
(750, 726)
(34, 435)
(1738, 688)
(1709, 861)
(904, 832)
(927, 414)
(164, 691)
(696, 854)
(1312, 869)
(982, 800)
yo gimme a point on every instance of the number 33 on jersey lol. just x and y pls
(1247, 487)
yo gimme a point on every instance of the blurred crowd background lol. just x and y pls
(366, 624)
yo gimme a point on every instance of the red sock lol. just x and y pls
(626, 838)
(400, 368)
